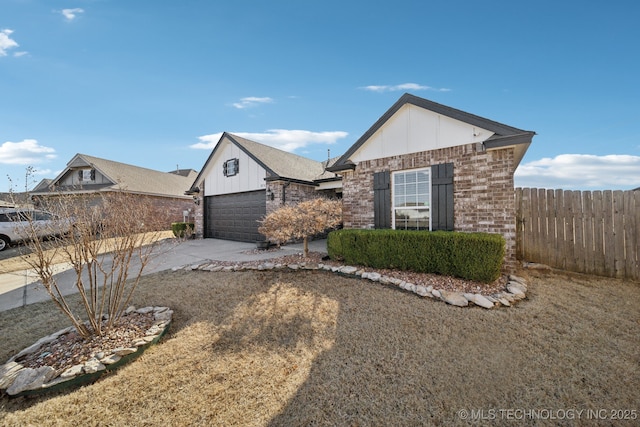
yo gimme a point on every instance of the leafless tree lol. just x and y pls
(301, 221)
(108, 240)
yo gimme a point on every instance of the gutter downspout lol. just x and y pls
(284, 192)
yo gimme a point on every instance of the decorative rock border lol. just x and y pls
(516, 288)
(17, 380)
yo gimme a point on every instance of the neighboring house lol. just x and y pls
(424, 165)
(243, 180)
(92, 175)
(15, 200)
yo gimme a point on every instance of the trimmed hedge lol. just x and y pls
(473, 256)
(182, 229)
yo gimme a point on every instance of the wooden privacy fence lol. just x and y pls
(594, 232)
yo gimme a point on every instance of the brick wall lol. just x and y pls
(288, 193)
(483, 189)
(199, 212)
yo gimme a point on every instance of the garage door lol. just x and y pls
(234, 216)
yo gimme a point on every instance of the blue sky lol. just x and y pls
(154, 83)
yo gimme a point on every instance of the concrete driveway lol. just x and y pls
(21, 288)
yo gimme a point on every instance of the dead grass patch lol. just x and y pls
(310, 347)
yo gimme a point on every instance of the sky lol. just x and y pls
(154, 83)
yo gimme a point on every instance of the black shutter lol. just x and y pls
(80, 175)
(236, 163)
(224, 168)
(442, 196)
(382, 199)
(93, 174)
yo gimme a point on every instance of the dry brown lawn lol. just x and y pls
(313, 348)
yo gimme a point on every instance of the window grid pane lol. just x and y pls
(412, 200)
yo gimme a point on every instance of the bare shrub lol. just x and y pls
(87, 227)
(301, 221)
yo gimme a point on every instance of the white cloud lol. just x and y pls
(6, 42)
(403, 87)
(251, 101)
(283, 139)
(71, 14)
(26, 152)
(581, 172)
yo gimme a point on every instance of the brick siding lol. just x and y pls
(289, 193)
(483, 190)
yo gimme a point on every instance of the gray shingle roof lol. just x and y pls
(133, 179)
(280, 164)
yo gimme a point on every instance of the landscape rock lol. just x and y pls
(385, 280)
(373, 276)
(73, 371)
(8, 373)
(123, 351)
(516, 288)
(153, 330)
(504, 302)
(91, 366)
(348, 269)
(422, 291)
(30, 379)
(479, 300)
(514, 278)
(454, 298)
(435, 293)
(163, 315)
(111, 359)
(293, 266)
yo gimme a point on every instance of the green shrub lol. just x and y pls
(182, 229)
(473, 256)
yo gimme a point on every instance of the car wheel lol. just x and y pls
(4, 243)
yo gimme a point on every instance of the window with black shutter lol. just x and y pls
(230, 167)
(422, 199)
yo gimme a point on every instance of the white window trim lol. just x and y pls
(393, 199)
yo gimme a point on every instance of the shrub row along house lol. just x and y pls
(421, 166)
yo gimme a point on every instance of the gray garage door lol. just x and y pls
(234, 216)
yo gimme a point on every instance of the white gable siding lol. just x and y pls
(412, 130)
(250, 177)
(72, 178)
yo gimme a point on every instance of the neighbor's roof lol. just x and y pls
(134, 179)
(504, 135)
(279, 164)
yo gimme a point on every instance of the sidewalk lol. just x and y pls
(22, 288)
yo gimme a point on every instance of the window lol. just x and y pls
(230, 167)
(412, 200)
(87, 174)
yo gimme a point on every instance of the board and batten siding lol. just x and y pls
(72, 179)
(249, 178)
(413, 129)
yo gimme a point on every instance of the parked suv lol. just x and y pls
(14, 225)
